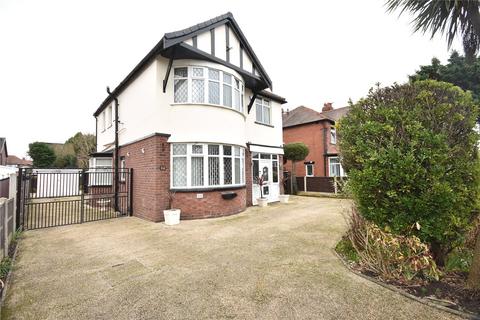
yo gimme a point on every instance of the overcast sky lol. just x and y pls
(57, 57)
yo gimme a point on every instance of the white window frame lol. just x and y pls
(205, 156)
(206, 79)
(313, 170)
(266, 107)
(333, 135)
(342, 173)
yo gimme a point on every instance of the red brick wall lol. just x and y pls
(211, 205)
(313, 136)
(151, 175)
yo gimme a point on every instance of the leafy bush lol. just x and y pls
(42, 155)
(410, 153)
(390, 256)
(459, 260)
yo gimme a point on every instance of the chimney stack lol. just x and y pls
(327, 106)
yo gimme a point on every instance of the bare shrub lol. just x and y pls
(388, 255)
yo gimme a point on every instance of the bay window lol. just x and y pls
(196, 84)
(263, 111)
(200, 165)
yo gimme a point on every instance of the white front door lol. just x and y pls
(266, 166)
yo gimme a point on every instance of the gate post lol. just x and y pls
(19, 210)
(130, 193)
(82, 196)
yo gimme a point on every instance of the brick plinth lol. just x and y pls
(209, 203)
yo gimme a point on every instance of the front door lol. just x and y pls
(266, 166)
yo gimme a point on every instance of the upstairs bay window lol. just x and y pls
(200, 165)
(263, 111)
(206, 85)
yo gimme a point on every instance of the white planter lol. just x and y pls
(262, 202)
(283, 198)
(172, 216)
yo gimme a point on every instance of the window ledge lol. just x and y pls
(264, 124)
(207, 189)
(207, 104)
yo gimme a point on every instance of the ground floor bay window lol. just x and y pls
(203, 165)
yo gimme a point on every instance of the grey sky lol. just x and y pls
(57, 57)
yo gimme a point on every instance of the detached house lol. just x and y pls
(317, 131)
(196, 122)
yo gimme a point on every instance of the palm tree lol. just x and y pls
(449, 17)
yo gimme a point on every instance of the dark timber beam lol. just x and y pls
(169, 68)
(250, 104)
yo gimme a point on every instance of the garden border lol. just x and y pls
(9, 275)
(466, 315)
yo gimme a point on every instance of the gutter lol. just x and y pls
(115, 187)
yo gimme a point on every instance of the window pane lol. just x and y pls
(180, 90)
(214, 92)
(181, 72)
(227, 95)
(237, 151)
(179, 149)
(258, 112)
(255, 171)
(237, 170)
(198, 72)
(197, 149)
(274, 156)
(213, 149)
(275, 171)
(213, 171)
(265, 156)
(227, 150)
(227, 170)
(266, 115)
(227, 78)
(255, 155)
(213, 74)
(237, 100)
(179, 171)
(198, 90)
(197, 171)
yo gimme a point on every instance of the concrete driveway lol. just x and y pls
(266, 263)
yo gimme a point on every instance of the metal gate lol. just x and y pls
(57, 197)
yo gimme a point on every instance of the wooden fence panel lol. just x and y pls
(5, 188)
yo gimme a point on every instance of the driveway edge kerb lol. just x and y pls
(463, 314)
(9, 275)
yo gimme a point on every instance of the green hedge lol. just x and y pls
(411, 157)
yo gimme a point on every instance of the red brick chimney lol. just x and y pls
(327, 106)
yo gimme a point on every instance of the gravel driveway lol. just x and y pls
(266, 263)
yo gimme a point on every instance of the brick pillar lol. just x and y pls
(150, 160)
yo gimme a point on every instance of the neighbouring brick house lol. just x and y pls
(195, 117)
(317, 131)
(3, 152)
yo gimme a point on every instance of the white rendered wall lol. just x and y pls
(261, 134)
(145, 109)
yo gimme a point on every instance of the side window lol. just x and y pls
(333, 135)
